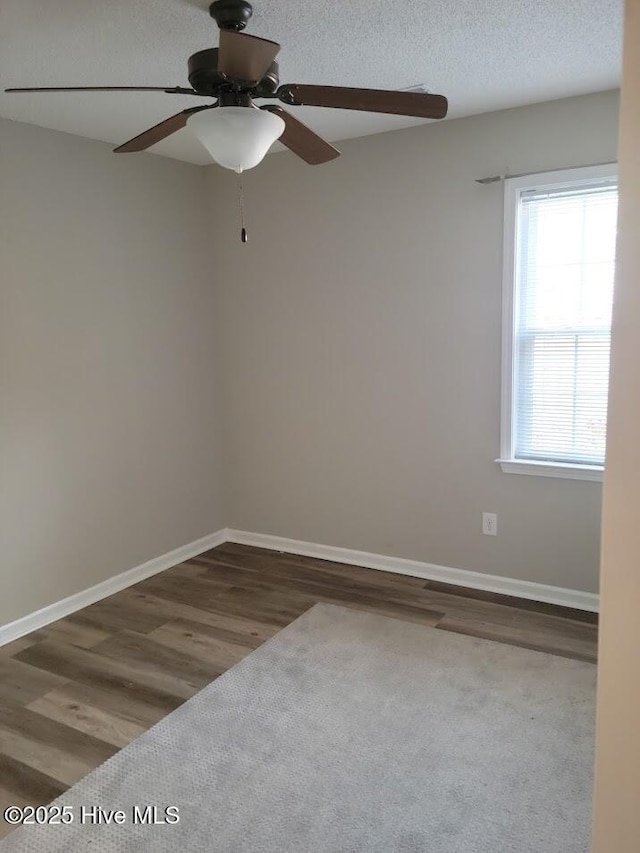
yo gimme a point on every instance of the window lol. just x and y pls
(560, 237)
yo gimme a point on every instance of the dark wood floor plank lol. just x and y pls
(263, 560)
(304, 578)
(275, 607)
(511, 601)
(90, 719)
(358, 574)
(86, 667)
(9, 798)
(168, 610)
(398, 601)
(117, 612)
(26, 784)
(21, 683)
(47, 746)
(141, 651)
(402, 603)
(215, 632)
(75, 633)
(467, 608)
(203, 643)
(242, 603)
(11, 649)
(47, 732)
(229, 569)
(198, 592)
(558, 632)
(136, 706)
(59, 764)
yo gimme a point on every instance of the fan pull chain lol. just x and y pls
(244, 237)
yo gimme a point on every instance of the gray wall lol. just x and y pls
(346, 359)
(108, 409)
(361, 329)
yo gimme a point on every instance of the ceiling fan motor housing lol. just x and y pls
(206, 80)
(231, 14)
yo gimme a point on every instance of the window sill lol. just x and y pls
(561, 470)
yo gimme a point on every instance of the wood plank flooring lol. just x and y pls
(75, 692)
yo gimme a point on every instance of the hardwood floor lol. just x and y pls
(75, 692)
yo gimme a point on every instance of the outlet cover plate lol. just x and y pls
(490, 523)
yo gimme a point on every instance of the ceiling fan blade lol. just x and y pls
(245, 58)
(419, 104)
(303, 141)
(171, 90)
(159, 131)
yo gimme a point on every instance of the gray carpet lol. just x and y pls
(355, 733)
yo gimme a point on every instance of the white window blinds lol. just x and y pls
(564, 287)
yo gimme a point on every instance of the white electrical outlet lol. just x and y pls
(489, 523)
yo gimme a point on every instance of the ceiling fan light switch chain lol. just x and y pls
(244, 237)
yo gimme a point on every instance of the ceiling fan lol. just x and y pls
(241, 70)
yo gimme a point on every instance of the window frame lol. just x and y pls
(513, 189)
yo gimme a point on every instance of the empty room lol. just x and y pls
(319, 334)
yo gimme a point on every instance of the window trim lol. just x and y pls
(513, 188)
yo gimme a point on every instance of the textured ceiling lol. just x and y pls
(483, 54)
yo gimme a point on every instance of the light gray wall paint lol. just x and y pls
(109, 448)
(361, 331)
(353, 346)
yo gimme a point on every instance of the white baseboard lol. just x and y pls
(429, 571)
(34, 621)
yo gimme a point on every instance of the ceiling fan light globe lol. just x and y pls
(237, 138)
